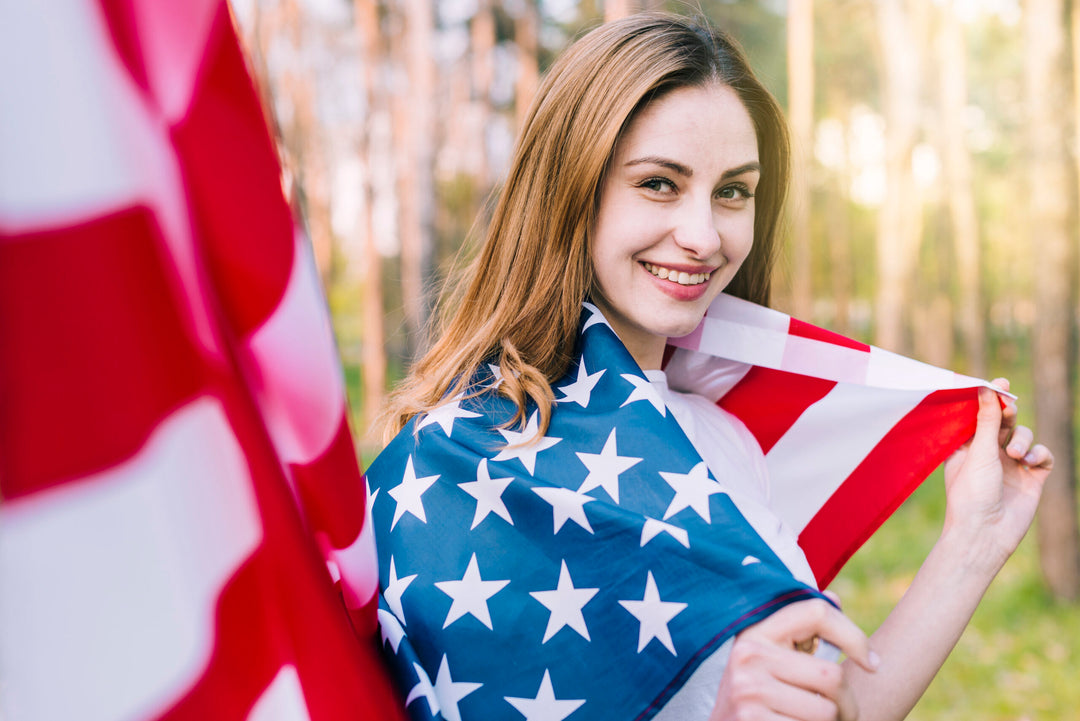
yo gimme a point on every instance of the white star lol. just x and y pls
(580, 391)
(565, 604)
(545, 707)
(370, 496)
(391, 628)
(643, 391)
(408, 494)
(450, 692)
(488, 494)
(470, 595)
(692, 490)
(595, 317)
(496, 375)
(566, 505)
(654, 616)
(394, 588)
(525, 445)
(423, 689)
(445, 414)
(605, 467)
(653, 528)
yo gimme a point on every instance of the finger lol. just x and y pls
(1008, 420)
(987, 424)
(1039, 457)
(802, 704)
(805, 619)
(1020, 443)
(808, 672)
(786, 682)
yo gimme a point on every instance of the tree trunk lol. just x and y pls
(373, 333)
(900, 218)
(1052, 242)
(800, 42)
(526, 36)
(615, 9)
(415, 130)
(304, 136)
(953, 94)
(837, 231)
(482, 75)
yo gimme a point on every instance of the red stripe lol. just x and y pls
(802, 329)
(93, 353)
(911, 451)
(282, 608)
(121, 20)
(770, 401)
(228, 159)
(332, 490)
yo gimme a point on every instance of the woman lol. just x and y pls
(641, 573)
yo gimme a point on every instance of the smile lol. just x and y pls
(676, 276)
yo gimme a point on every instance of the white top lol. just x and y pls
(736, 461)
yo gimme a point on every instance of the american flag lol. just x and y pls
(183, 531)
(587, 573)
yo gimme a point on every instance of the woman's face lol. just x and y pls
(676, 217)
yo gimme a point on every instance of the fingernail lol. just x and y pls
(1029, 459)
(875, 660)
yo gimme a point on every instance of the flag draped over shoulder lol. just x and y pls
(848, 430)
(182, 524)
(587, 573)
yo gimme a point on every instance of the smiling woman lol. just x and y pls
(534, 566)
(676, 217)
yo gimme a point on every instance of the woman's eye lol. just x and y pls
(658, 185)
(735, 194)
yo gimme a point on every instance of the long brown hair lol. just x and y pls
(520, 301)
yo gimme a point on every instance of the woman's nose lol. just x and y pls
(696, 230)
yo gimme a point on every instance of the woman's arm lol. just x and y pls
(993, 485)
(992, 493)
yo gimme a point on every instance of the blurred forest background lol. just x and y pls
(934, 214)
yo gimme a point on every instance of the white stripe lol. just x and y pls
(821, 359)
(283, 699)
(709, 376)
(743, 343)
(173, 42)
(299, 386)
(889, 370)
(358, 567)
(110, 584)
(811, 460)
(742, 311)
(79, 140)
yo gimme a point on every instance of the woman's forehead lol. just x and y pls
(693, 126)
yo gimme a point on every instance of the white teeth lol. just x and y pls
(677, 276)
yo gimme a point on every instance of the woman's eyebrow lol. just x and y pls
(686, 171)
(664, 163)
(752, 167)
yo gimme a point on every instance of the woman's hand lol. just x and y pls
(767, 678)
(993, 482)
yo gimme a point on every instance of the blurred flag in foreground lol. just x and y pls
(182, 524)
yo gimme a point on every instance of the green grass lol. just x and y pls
(1017, 660)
